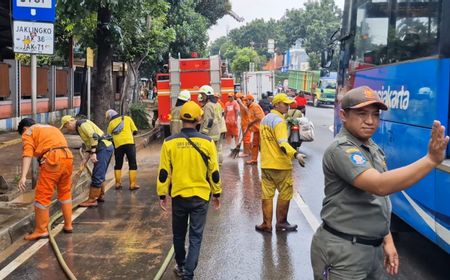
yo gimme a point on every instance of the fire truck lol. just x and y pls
(190, 74)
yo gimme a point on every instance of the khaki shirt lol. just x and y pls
(210, 125)
(347, 208)
(175, 122)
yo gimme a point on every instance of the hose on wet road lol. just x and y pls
(55, 247)
(164, 265)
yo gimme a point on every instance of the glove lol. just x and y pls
(301, 159)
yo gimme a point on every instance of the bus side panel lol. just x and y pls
(404, 144)
(416, 92)
(443, 206)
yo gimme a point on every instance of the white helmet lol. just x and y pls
(208, 90)
(184, 95)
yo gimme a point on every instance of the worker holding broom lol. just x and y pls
(48, 144)
(255, 115)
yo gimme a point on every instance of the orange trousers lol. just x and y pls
(51, 176)
(255, 145)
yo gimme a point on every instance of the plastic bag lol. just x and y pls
(306, 129)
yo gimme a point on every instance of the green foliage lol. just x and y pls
(314, 23)
(216, 46)
(140, 115)
(190, 28)
(243, 58)
(256, 34)
(212, 10)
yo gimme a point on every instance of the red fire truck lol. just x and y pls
(189, 74)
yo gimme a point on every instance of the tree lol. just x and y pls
(315, 24)
(191, 19)
(115, 29)
(257, 33)
(217, 44)
(242, 60)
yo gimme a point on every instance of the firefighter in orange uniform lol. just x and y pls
(246, 136)
(48, 144)
(255, 115)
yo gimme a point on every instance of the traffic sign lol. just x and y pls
(33, 37)
(34, 10)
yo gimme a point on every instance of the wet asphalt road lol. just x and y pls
(129, 237)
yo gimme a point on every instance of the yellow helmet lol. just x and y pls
(190, 111)
(184, 95)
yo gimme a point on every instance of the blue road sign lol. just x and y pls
(34, 10)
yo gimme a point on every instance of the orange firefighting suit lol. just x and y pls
(48, 144)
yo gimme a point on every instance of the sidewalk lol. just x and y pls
(16, 209)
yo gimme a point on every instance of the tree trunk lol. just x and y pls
(103, 97)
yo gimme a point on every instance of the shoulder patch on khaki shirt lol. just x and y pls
(357, 158)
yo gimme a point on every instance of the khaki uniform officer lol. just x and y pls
(355, 235)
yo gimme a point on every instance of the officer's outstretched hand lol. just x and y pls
(438, 143)
(301, 159)
(216, 203)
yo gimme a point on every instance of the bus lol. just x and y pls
(401, 49)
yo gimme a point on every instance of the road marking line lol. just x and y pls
(28, 253)
(331, 128)
(306, 211)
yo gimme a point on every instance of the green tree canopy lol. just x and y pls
(243, 58)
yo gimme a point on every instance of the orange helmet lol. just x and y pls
(239, 95)
(250, 97)
(231, 94)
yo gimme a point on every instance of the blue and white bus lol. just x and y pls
(401, 49)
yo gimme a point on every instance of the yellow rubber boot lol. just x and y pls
(118, 176)
(133, 176)
(66, 209)
(42, 219)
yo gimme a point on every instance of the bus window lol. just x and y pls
(416, 30)
(371, 38)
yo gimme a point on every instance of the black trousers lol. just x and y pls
(194, 210)
(130, 151)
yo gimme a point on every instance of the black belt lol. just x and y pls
(353, 238)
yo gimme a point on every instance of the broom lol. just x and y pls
(235, 152)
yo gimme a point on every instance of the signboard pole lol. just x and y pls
(34, 111)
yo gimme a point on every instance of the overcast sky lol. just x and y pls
(253, 9)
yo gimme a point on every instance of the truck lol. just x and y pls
(257, 83)
(189, 74)
(318, 90)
